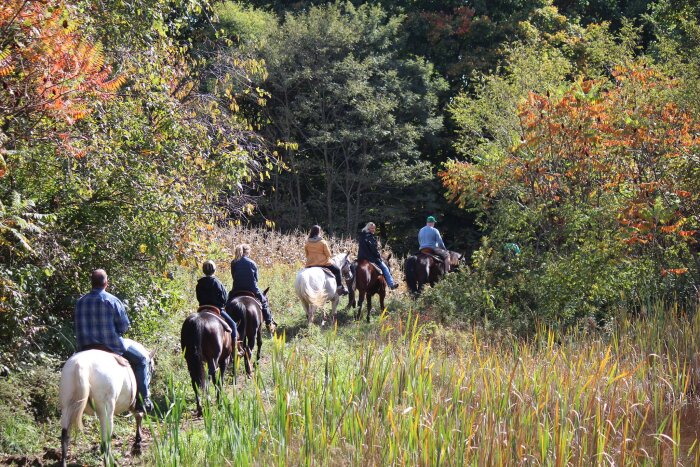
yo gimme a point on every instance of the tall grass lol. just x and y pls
(380, 394)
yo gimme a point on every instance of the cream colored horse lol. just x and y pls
(100, 383)
(314, 288)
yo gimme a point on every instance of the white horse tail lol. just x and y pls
(74, 392)
(307, 294)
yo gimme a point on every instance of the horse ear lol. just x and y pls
(265, 292)
(152, 355)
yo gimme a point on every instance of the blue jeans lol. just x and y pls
(138, 358)
(232, 323)
(387, 275)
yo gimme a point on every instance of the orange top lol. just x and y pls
(317, 252)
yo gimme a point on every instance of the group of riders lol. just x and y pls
(101, 320)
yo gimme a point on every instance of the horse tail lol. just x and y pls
(74, 392)
(305, 293)
(410, 273)
(191, 343)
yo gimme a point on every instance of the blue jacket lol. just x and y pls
(429, 237)
(100, 318)
(245, 275)
(210, 291)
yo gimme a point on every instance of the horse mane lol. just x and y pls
(339, 259)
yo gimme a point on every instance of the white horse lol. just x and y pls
(101, 383)
(315, 287)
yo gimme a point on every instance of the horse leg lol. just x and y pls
(136, 449)
(259, 338)
(65, 438)
(360, 299)
(369, 305)
(105, 412)
(334, 308)
(211, 367)
(223, 363)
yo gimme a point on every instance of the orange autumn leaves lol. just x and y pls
(618, 144)
(47, 68)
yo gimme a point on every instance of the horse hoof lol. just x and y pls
(136, 449)
(323, 323)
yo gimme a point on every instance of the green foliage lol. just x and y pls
(347, 107)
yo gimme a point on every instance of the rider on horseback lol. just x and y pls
(369, 250)
(210, 291)
(319, 254)
(431, 242)
(100, 321)
(244, 272)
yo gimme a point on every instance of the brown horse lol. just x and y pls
(204, 338)
(369, 281)
(246, 310)
(425, 268)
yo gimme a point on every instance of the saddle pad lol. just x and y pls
(102, 348)
(209, 308)
(227, 328)
(328, 272)
(241, 293)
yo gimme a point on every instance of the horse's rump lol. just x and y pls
(410, 273)
(314, 287)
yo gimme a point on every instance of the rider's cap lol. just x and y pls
(430, 219)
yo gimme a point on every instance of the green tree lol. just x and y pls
(349, 109)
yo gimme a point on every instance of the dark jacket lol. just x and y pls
(245, 275)
(368, 248)
(210, 291)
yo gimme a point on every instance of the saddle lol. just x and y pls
(244, 293)
(210, 308)
(206, 309)
(429, 252)
(120, 360)
(328, 272)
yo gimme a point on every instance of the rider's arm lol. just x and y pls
(439, 241)
(326, 250)
(222, 291)
(121, 321)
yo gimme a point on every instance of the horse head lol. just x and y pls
(456, 260)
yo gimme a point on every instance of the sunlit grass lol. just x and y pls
(379, 394)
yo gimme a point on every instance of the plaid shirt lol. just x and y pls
(100, 318)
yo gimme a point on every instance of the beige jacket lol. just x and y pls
(317, 252)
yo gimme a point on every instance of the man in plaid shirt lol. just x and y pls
(100, 320)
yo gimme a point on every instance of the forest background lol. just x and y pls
(131, 133)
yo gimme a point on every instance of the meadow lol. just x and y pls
(407, 390)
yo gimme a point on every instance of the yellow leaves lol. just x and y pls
(143, 248)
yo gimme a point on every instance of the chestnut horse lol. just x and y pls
(204, 338)
(369, 281)
(424, 268)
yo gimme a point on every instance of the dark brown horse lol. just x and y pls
(246, 310)
(204, 338)
(369, 281)
(425, 268)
